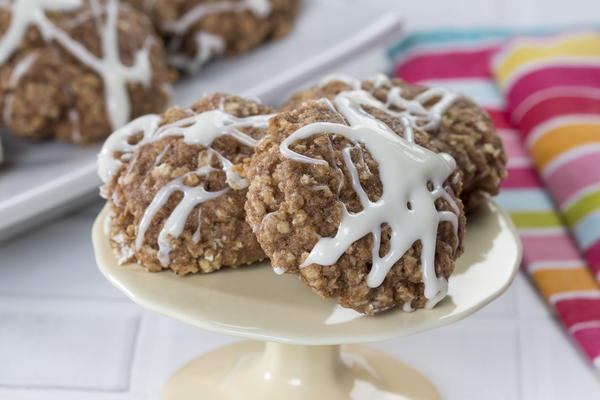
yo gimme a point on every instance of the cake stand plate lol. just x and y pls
(302, 358)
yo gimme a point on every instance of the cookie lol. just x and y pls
(176, 188)
(358, 201)
(197, 31)
(465, 132)
(76, 71)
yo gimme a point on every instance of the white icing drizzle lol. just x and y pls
(208, 45)
(419, 222)
(75, 126)
(195, 129)
(413, 114)
(17, 73)
(118, 142)
(260, 8)
(421, 116)
(255, 228)
(21, 69)
(114, 74)
(198, 234)
(173, 226)
(407, 306)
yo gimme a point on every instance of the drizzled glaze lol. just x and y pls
(20, 69)
(425, 118)
(195, 129)
(173, 227)
(114, 74)
(208, 45)
(414, 112)
(393, 153)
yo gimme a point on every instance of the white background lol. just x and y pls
(65, 333)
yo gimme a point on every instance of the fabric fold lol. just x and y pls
(552, 91)
(461, 60)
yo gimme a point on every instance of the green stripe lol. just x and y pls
(582, 207)
(545, 219)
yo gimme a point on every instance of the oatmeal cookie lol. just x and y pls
(306, 181)
(76, 71)
(176, 189)
(197, 31)
(465, 132)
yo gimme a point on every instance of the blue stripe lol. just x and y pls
(445, 36)
(525, 200)
(587, 232)
(454, 36)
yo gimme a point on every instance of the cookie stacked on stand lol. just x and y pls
(76, 70)
(357, 187)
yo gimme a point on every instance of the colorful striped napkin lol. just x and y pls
(461, 60)
(552, 87)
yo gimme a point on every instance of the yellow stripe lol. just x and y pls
(540, 219)
(580, 45)
(562, 139)
(553, 281)
(582, 207)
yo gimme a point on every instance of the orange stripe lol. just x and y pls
(553, 281)
(562, 139)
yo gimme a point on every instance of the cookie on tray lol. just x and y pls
(359, 202)
(465, 131)
(197, 31)
(76, 71)
(176, 187)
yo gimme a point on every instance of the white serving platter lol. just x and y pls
(39, 180)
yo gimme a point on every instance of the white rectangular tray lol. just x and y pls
(39, 180)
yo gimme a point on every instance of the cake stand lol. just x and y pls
(308, 352)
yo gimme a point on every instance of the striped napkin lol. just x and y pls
(552, 88)
(461, 60)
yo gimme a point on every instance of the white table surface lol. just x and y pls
(66, 333)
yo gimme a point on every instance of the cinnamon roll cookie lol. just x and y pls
(358, 201)
(77, 69)
(176, 186)
(464, 131)
(197, 31)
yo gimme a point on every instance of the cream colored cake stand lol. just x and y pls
(308, 352)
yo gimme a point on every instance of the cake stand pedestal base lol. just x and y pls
(254, 370)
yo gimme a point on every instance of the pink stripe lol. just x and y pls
(552, 247)
(500, 118)
(523, 177)
(455, 64)
(552, 76)
(509, 134)
(573, 176)
(557, 106)
(592, 255)
(589, 339)
(574, 311)
(514, 146)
